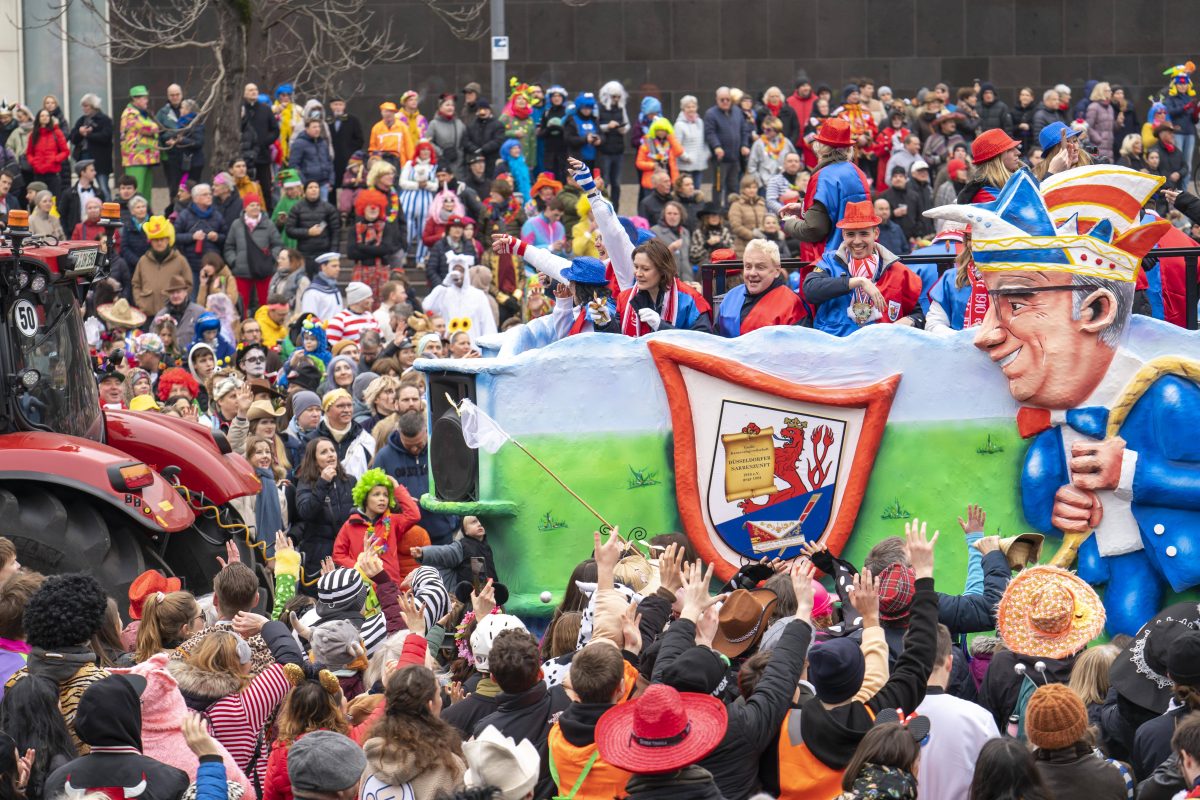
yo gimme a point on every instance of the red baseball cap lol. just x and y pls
(990, 144)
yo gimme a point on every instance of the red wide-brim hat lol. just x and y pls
(834, 132)
(618, 744)
(859, 215)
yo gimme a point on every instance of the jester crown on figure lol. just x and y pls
(1085, 222)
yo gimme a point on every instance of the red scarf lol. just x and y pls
(521, 113)
(631, 323)
(580, 321)
(775, 108)
(977, 306)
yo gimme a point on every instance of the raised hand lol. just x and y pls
(920, 548)
(413, 613)
(607, 553)
(232, 554)
(369, 562)
(864, 596)
(801, 574)
(483, 601)
(695, 590)
(283, 543)
(975, 520)
(327, 565)
(670, 568)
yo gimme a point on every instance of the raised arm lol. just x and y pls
(616, 241)
(542, 260)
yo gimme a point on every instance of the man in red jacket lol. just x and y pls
(801, 101)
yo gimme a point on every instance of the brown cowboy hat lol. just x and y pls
(743, 620)
(262, 409)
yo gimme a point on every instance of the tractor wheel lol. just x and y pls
(192, 555)
(58, 530)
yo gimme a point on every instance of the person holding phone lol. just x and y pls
(315, 225)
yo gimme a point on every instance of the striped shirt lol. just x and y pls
(236, 719)
(347, 325)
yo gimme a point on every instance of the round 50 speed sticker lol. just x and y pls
(25, 317)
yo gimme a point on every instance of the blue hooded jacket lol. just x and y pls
(517, 167)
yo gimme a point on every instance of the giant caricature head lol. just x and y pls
(1059, 269)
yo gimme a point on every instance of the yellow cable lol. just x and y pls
(261, 547)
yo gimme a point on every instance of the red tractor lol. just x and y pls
(85, 489)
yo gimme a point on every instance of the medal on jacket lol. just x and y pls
(860, 310)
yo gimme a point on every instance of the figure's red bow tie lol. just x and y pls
(1032, 421)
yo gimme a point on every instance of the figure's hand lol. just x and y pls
(329, 473)
(650, 318)
(562, 291)
(864, 596)
(195, 733)
(811, 548)
(232, 554)
(484, 601)
(792, 210)
(1076, 510)
(1097, 465)
(416, 553)
(582, 175)
(247, 624)
(920, 549)
(197, 236)
(975, 520)
(802, 584)
(1170, 194)
(413, 613)
(719, 152)
(327, 565)
(457, 692)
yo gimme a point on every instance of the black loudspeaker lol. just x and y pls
(453, 465)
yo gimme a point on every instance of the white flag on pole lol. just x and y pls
(480, 431)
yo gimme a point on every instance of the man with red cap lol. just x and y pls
(860, 282)
(835, 184)
(995, 157)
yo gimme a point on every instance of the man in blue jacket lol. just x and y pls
(405, 456)
(312, 157)
(727, 134)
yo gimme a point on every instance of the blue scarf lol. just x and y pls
(268, 517)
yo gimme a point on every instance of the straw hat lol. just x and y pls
(1047, 612)
(1022, 550)
(121, 314)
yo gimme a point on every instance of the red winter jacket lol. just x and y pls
(47, 150)
(397, 530)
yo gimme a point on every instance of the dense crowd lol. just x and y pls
(284, 300)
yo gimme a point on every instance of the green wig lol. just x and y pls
(369, 480)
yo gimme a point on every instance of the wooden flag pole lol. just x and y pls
(550, 472)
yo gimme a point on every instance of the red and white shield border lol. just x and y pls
(875, 399)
